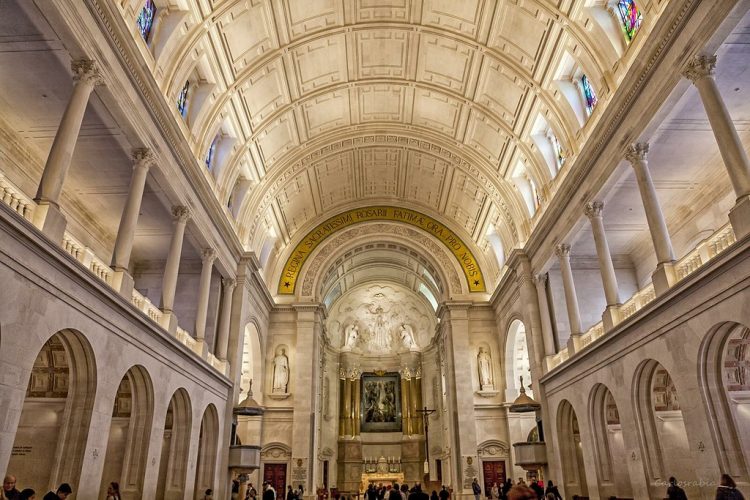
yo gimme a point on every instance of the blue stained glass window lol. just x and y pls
(630, 17)
(588, 94)
(182, 99)
(211, 153)
(146, 19)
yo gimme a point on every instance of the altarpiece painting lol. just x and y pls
(381, 403)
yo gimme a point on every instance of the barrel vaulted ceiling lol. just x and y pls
(321, 105)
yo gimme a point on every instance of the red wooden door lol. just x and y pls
(275, 474)
(494, 472)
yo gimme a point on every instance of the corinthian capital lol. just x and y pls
(181, 213)
(562, 250)
(143, 157)
(593, 209)
(699, 67)
(87, 71)
(228, 283)
(637, 153)
(208, 255)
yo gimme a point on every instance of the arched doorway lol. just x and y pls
(54, 425)
(609, 448)
(205, 473)
(175, 448)
(571, 451)
(662, 428)
(725, 385)
(517, 362)
(129, 433)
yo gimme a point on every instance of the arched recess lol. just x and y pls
(725, 385)
(175, 448)
(517, 362)
(571, 452)
(251, 369)
(609, 448)
(275, 460)
(661, 427)
(208, 441)
(54, 424)
(129, 433)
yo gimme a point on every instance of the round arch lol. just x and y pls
(208, 442)
(175, 447)
(517, 363)
(608, 446)
(723, 384)
(570, 451)
(251, 368)
(61, 389)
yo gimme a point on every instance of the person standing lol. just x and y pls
(674, 492)
(444, 495)
(113, 491)
(552, 489)
(476, 489)
(268, 492)
(9, 487)
(63, 491)
(727, 489)
(27, 494)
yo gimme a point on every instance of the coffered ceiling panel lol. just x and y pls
(247, 31)
(436, 111)
(326, 112)
(425, 177)
(381, 102)
(382, 10)
(264, 92)
(382, 53)
(335, 177)
(460, 16)
(320, 63)
(519, 31)
(277, 138)
(444, 62)
(466, 200)
(380, 171)
(296, 203)
(486, 136)
(308, 16)
(500, 91)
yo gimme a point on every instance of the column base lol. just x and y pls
(123, 282)
(50, 220)
(663, 278)
(169, 321)
(201, 348)
(739, 216)
(611, 317)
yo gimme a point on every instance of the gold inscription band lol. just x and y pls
(305, 248)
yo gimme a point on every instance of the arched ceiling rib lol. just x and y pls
(422, 102)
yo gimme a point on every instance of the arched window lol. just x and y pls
(145, 20)
(630, 17)
(182, 99)
(211, 153)
(589, 95)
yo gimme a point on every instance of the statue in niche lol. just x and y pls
(351, 334)
(484, 362)
(380, 336)
(407, 337)
(280, 373)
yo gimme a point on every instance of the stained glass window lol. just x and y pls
(630, 17)
(211, 153)
(557, 149)
(588, 94)
(146, 19)
(182, 99)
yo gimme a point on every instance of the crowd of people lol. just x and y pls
(11, 492)
(519, 491)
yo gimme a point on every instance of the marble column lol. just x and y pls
(47, 216)
(571, 299)
(222, 339)
(700, 70)
(593, 211)
(171, 269)
(122, 281)
(664, 275)
(548, 334)
(207, 257)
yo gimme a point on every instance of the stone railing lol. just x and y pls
(24, 206)
(86, 256)
(15, 199)
(695, 259)
(705, 251)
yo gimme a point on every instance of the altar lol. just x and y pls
(382, 470)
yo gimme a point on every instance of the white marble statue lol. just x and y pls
(280, 373)
(407, 337)
(485, 370)
(351, 334)
(380, 338)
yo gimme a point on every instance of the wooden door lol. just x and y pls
(275, 475)
(494, 472)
